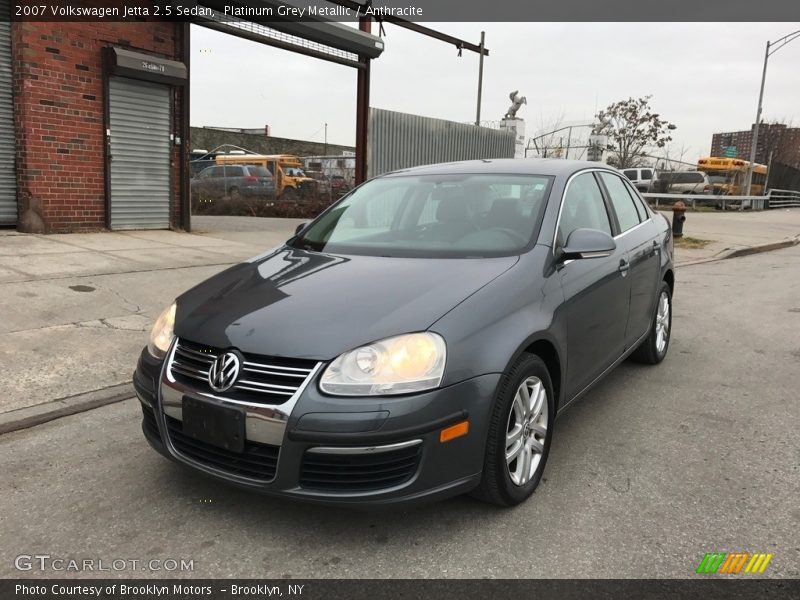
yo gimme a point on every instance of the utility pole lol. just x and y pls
(772, 48)
(481, 52)
(754, 144)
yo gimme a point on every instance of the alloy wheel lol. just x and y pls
(526, 431)
(662, 322)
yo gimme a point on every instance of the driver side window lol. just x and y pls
(583, 208)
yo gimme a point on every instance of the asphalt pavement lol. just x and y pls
(652, 469)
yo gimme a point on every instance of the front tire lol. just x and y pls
(520, 431)
(654, 348)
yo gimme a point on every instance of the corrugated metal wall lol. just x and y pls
(139, 114)
(399, 140)
(8, 185)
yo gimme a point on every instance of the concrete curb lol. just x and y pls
(739, 252)
(30, 416)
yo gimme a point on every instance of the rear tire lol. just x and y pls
(654, 348)
(520, 431)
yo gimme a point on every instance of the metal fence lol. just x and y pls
(773, 199)
(400, 140)
(784, 199)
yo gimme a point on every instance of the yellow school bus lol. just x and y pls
(729, 175)
(291, 183)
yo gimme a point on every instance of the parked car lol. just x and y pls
(681, 182)
(339, 185)
(233, 181)
(323, 183)
(408, 345)
(640, 177)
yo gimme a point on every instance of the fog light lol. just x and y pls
(454, 431)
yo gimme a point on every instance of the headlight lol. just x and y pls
(161, 335)
(396, 365)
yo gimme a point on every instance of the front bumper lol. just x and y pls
(324, 440)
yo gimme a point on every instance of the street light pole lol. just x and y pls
(480, 80)
(754, 143)
(772, 48)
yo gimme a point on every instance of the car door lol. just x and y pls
(596, 290)
(637, 236)
(215, 182)
(203, 186)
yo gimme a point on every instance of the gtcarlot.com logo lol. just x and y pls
(733, 563)
(46, 562)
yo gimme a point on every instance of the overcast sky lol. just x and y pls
(704, 77)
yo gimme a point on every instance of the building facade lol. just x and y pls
(775, 140)
(94, 113)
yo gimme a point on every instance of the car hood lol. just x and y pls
(303, 304)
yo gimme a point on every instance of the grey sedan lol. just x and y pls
(416, 340)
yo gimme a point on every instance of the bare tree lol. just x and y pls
(547, 144)
(633, 127)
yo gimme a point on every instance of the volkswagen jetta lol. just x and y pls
(417, 339)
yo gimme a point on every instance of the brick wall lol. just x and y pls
(776, 138)
(59, 113)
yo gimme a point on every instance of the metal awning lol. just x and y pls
(313, 35)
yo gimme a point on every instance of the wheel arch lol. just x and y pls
(669, 277)
(545, 347)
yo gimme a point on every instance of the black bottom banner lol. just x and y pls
(405, 589)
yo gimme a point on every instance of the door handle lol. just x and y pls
(624, 265)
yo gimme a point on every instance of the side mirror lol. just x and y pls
(587, 243)
(300, 227)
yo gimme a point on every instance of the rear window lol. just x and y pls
(259, 172)
(631, 174)
(234, 171)
(647, 174)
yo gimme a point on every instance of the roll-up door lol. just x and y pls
(139, 119)
(8, 184)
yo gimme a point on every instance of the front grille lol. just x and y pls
(263, 379)
(359, 472)
(149, 421)
(258, 461)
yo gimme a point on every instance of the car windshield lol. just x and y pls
(448, 216)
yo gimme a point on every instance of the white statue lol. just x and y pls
(517, 102)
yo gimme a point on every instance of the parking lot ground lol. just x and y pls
(652, 469)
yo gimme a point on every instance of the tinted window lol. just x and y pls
(583, 208)
(631, 174)
(641, 208)
(259, 172)
(647, 174)
(621, 200)
(234, 171)
(689, 177)
(214, 172)
(448, 215)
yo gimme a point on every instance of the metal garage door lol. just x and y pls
(8, 186)
(139, 117)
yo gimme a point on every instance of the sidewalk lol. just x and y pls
(735, 232)
(77, 308)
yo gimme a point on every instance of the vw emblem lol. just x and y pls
(223, 372)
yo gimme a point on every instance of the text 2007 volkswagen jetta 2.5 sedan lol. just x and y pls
(417, 339)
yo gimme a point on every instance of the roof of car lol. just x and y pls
(521, 166)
